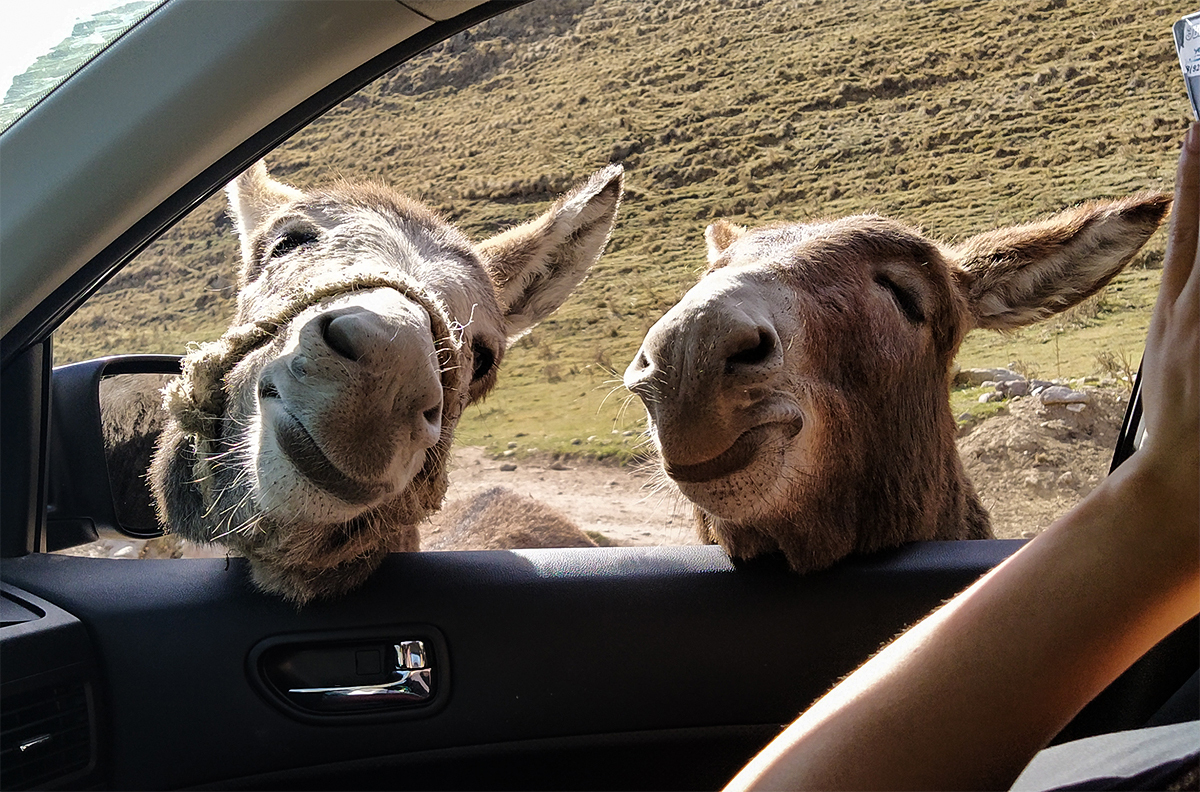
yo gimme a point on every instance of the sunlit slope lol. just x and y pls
(954, 117)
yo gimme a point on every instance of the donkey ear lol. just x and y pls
(719, 236)
(1016, 276)
(535, 266)
(252, 197)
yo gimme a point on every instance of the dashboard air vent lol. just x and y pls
(45, 736)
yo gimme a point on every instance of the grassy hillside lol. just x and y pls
(950, 115)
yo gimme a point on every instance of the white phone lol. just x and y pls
(1187, 45)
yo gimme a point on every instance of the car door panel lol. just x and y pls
(541, 653)
(613, 667)
(540, 645)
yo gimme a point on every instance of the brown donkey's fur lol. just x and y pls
(500, 519)
(799, 393)
(312, 438)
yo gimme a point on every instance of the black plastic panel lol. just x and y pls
(543, 645)
(632, 652)
(49, 704)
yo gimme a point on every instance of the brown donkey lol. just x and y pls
(798, 395)
(313, 437)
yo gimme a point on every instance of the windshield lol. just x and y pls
(43, 43)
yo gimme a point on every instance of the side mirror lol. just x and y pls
(106, 417)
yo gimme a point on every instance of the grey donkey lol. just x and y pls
(313, 437)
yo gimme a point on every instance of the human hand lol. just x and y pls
(1171, 366)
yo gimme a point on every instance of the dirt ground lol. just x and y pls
(1030, 464)
(621, 503)
(1034, 462)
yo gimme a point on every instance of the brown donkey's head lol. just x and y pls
(798, 394)
(313, 436)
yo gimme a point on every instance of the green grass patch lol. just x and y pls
(965, 402)
(586, 413)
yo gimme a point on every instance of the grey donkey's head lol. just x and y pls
(313, 436)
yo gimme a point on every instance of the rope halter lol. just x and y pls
(197, 398)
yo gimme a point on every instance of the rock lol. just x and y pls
(512, 444)
(1067, 479)
(1077, 407)
(978, 377)
(1061, 394)
(592, 438)
(509, 452)
(1012, 388)
(987, 398)
(576, 441)
(559, 466)
(629, 433)
(508, 467)
(1038, 481)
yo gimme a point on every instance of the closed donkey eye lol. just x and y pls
(292, 239)
(907, 302)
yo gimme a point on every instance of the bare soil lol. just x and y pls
(1033, 462)
(622, 504)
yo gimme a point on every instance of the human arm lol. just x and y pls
(965, 698)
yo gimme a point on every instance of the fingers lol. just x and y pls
(1180, 264)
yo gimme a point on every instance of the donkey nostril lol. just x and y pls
(433, 414)
(267, 390)
(345, 335)
(754, 351)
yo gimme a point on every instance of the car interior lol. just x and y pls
(592, 668)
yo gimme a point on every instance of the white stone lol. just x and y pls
(1061, 394)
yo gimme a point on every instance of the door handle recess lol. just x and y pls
(357, 677)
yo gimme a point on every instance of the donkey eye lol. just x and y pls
(909, 305)
(485, 360)
(292, 240)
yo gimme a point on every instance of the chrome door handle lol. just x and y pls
(412, 687)
(350, 677)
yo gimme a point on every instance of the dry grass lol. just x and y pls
(954, 117)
